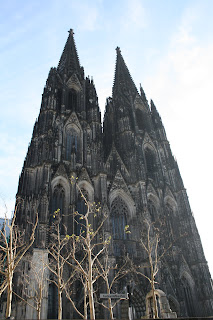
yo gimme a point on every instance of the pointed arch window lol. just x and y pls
(58, 202)
(189, 301)
(169, 215)
(152, 210)
(169, 210)
(150, 162)
(142, 119)
(59, 99)
(119, 213)
(71, 143)
(72, 99)
(58, 199)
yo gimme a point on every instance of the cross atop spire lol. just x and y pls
(71, 32)
(122, 80)
(118, 50)
(69, 61)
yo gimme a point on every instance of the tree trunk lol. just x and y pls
(39, 313)
(10, 271)
(9, 296)
(39, 302)
(39, 310)
(90, 288)
(155, 315)
(59, 305)
(85, 302)
(109, 302)
(91, 304)
(91, 300)
(110, 309)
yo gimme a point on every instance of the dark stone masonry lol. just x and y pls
(127, 165)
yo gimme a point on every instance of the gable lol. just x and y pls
(73, 83)
(115, 155)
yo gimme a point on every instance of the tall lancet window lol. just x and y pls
(58, 202)
(150, 162)
(71, 143)
(169, 218)
(72, 100)
(142, 119)
(58, 199)
(188, 295)
(119, 213)
(152, 210)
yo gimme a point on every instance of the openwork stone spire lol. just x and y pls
(123, 82)
(69, 62)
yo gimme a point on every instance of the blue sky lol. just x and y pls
(168, 47)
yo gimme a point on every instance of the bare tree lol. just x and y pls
(149, 242)
(82, 255)
(34, 283)
(152, 233)
(59, 256)
(90, 258)
(85, 263)
(112, 273)
(13, 247)
(70, 294)
(3, 281)
(86, 248)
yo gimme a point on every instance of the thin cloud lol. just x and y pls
(135, 15)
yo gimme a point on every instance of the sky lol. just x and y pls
(168, 48)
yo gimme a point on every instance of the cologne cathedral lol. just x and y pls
(127, 165)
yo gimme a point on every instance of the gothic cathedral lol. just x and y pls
(126, 165)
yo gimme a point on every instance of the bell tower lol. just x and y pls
(66, 141)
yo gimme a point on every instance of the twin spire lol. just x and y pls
(69, 64)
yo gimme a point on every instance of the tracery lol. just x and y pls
(119, 213)
(71, 142)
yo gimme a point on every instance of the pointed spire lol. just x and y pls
(143, 95)
(156, 118)
(153, 107)
(69, 61)
(123, 82)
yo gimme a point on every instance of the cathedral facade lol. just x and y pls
(127, 165)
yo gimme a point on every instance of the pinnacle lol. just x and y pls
(153, 107)
(155, 113)
(143, 95)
